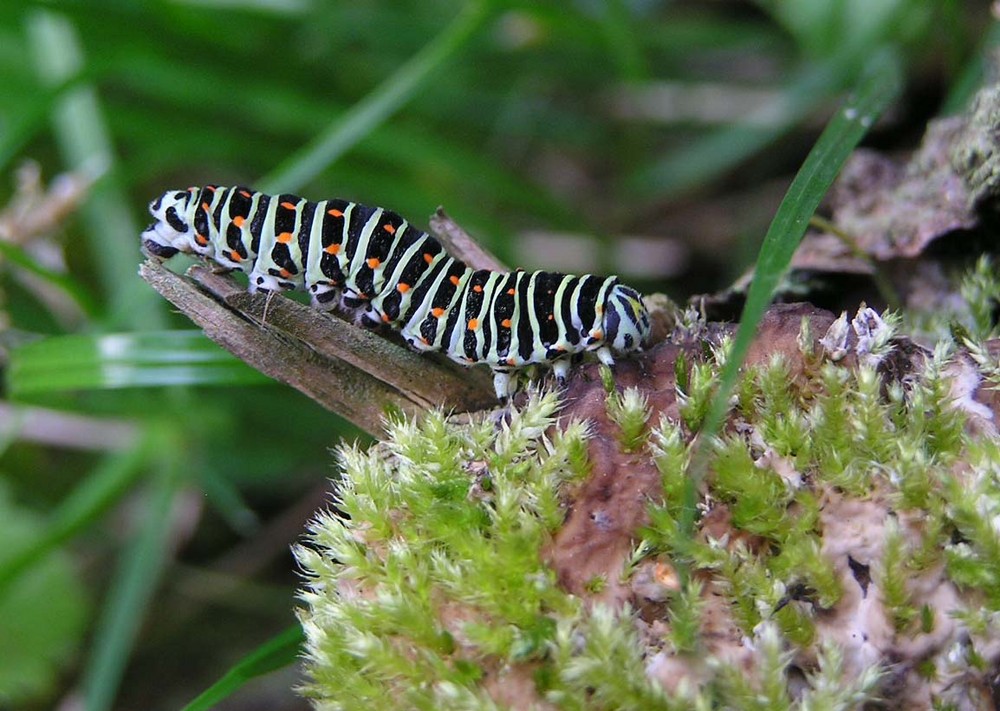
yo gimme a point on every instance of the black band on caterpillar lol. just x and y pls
(373, 263)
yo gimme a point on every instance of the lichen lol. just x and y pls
(847, 543)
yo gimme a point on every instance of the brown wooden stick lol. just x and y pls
(346, 369)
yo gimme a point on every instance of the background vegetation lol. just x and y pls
(150, 486)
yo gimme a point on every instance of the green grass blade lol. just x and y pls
(31, 120)
(86, 145)
(132, 590)
(126, 360)
(880, 84)
(104, 487)
(622, 43)
(385, 100)
(70, 286)
(278, 652)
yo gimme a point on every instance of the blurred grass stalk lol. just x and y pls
(83, 138)
(135, 581)
(93, 496)
(86, 147)
(366, 115)
(124, 360)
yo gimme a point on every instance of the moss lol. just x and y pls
(697, 384)
(436, 584)
(630, 410)
(685, 612)
(892, 575)
(418, 539)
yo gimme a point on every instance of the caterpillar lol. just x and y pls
(373, 264)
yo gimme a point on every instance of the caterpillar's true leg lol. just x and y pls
(503, 384)
(604, 355)
(561, 370)
(325, 296)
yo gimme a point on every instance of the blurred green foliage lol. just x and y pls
(517, 116)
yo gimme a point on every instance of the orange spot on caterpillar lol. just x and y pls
(200, 239)
(510, 291)
(235, 256)
(473, 324)
(245, 193)
(288, 205)
(597, 333)
(332, 249)
(374, 262)
(551, 317)
(428, 257)
(284, 237)
(437, 313)
(478, 289)
(389, 228)
(385, 318)
(239, 220)
(209, 188)
(402, 287)
(334, 213)
(511, 361)
(424, 340)
(505, 323)
(454, 280)
(205, 207)
(284, 273)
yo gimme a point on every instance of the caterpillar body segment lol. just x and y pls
(372, 263)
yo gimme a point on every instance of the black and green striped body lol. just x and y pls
(372, 263)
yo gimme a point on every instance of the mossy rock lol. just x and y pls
(845, 551)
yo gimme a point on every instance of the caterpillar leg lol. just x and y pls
(503, 384)
(324, 296)
(604, 355)
(561, 370)
(268, 283)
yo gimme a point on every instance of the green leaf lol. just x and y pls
(125, 360)
(278, 652)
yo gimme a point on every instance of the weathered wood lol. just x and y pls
(346, 369)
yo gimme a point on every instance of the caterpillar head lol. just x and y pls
(626, 320)
(172, 231)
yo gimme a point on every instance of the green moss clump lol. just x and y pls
(433, 584)
(630, 410)
(426, 577)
